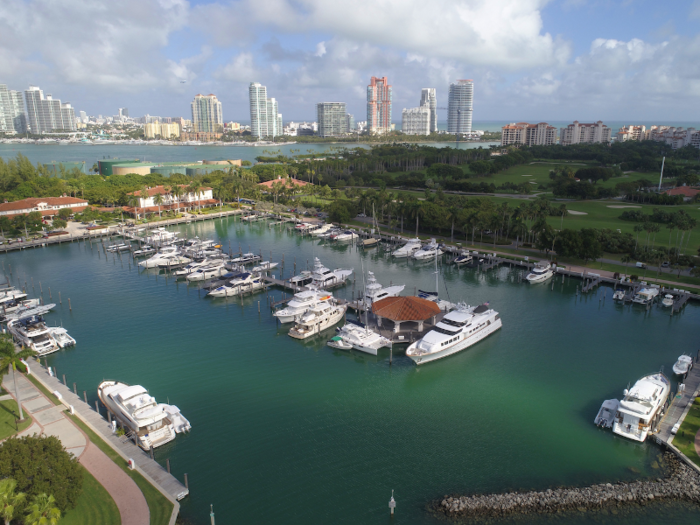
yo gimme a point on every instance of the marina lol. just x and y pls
(274, 393)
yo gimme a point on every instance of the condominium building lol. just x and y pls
(46, 114)
(429, 98)
(265, 118)
(460, 105)
(332, 119)
(416, 121)
(206, 114)
(541, 134)
(578, 133)
(164, 130)
(379, 105)
(12, 115)
(626, 133)
(675, 137)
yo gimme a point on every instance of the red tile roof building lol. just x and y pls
(541, 134)
(405, 308)
(170, 202)
(685, 191)
(44, 205)
(268, 184)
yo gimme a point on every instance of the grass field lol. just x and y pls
(685, 438)
(9, 414)
(95, 505)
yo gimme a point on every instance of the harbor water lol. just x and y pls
(295, 432)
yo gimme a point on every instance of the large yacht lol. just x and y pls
(160, 237)
(321, 230)
(175, 262)
(346, 235)
(209, 271)
(428, 251)
(151, 424)
(33, 333)
(408, 249)
(645, 296)
(164, 254)
(540, 272)
(240, 284)
(191, 268)
(317, 319)
(361, 338)
(301, 303)
(641, 409)
(375, 291)
(459, 329)
(246, 258)
(303, 279)
(323, 277)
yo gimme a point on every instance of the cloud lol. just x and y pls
(240, 69)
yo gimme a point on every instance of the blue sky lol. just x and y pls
(534, 60)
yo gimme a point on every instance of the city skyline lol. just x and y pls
(558, 60)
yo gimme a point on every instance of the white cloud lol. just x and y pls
(320, 49)
(240, 69)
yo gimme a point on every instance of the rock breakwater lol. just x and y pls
(681, 484)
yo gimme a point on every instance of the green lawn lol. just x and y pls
(95, 505)
(9, 414)
(685, 438)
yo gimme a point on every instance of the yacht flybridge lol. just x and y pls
(151, 424)
(375, 291)
(322, 277)
(541, 272)
(642, 407)
(459, 329)
(33, 333)
(301, 303)
(408, 249)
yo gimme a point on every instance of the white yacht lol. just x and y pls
(61, 337)
(428, 251)
(459, 329)
(321, 230)
(144, 250)
(322, 316)
(174, 262)
(246, 258)
(645, 295)
(303, 279)
(540, 273)
(264, 266)
(165, 253)
(642, 407)
(683, 365)
(301, 303)
(191, 267)
(121, 247)
(160, 236)
(667, 300)
(239, 284)
(606, 414)
(375, 291)
(463, 258)
(323, 277)
(408, 249)
(150, 423)
(33, 333)
(346, 235)
(209, 271)
(361, 338)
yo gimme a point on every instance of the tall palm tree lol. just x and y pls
(144, 195)
(195, 188)
(43, 511)
(177, 193)
(9, 358)
(158, 201)
(9, 499)
(133, 201)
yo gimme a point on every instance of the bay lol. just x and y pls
(296, 432)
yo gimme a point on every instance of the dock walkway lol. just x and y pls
(680, 404)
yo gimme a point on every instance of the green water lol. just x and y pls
(298, 433)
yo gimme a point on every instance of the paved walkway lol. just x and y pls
(49, 420)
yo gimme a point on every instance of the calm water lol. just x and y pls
(299, 433)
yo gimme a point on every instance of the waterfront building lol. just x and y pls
(460, 105)
(201, 136)
(165, 131)
(265, 118)
(428, 98)
(416, 121)
(379, 96)
(332, 119)
(46, 114)
(12, 115)
(578, 133)
(47, 206)
(626, 133)
(206, 114)
(541, 134)
(188, 200)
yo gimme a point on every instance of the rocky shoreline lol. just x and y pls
(680, 484)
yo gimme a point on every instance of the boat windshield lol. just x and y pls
(453, 323)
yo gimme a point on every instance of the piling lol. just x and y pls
(75, 389)
(151, 451)
(97, 406)
(64, 379)
(49, 292)
(167, 465)
(69, 306)
(59, 298)
(187, 485)
(85, 396)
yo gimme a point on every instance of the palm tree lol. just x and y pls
(196, 188)
(9, 358)
(144, 195)
(43, 511)
(133, 201)
(9, 499)
(177, 193)
(158, 201)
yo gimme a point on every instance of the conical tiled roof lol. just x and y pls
(405, 308)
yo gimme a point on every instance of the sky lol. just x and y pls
(531, 60)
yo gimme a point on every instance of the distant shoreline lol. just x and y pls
(225, 144)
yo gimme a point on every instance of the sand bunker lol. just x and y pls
(572, 212)
(526, 175)
(532, 182)
(618, 207)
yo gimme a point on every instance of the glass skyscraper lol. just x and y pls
(460, 106)
(265, 118)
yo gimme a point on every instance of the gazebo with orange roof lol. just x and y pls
(405, 309)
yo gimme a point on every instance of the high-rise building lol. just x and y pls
(350, 118)
(46, 114)
(459, 107)
(626, 133)
(12, 115)
(206, 114)
(577, 133)
(265, 118)
(429, 98)
(332, 119)
(541, 134)
(379, 105)
(164, 130)
(124, 112)
(416, 121)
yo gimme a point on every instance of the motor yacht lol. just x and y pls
(175, 262)
(150, 424)
(15, 305)
(428, 251)
(121, 247)
(541, 272)
(145, 250)
(645, 296)
(408, 249)
(264, 266)
(667, 300)
(209, 271)
(301, 303)
(160, 236)
(361, 338)
(164, 253)
(239, 284)
(246, 258)
(463, 258)
(683, 365)
(26, 311)
(619, 295)
(303, 279)
(323, 277)
(375, 291)
(61, 337)
(191, 267)
(321, 230)
(347, 235)
(642, 407)
(33, 333)
(330, 233)
(606, 414)
(319, 318)
(11, 294)
(458, 329)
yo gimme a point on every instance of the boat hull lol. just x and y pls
(539, 278)
(458, 347)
